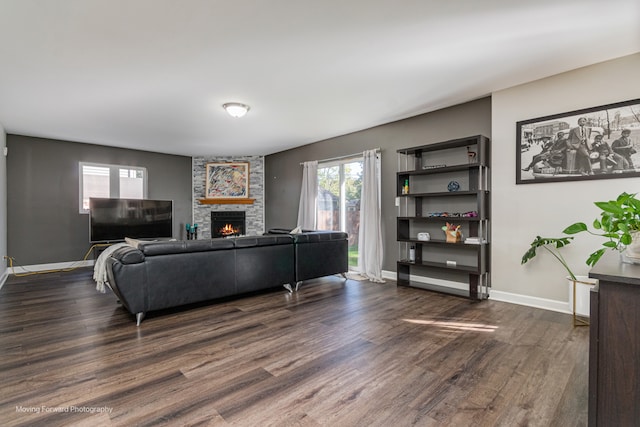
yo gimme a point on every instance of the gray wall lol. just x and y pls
(283, 173)
(43, 222)
(545, 209)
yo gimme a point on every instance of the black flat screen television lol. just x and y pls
(111, 220)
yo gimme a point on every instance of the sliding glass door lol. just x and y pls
(339, 187)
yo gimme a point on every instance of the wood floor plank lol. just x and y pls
(336, 353)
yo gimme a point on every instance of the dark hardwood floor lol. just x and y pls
(334, 354)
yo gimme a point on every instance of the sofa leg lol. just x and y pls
(298, 285)
(344, 276)
(139, 317)
(288, 287)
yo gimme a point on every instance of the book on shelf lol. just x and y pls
(474, 241)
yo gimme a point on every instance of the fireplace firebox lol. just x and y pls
(228, 223)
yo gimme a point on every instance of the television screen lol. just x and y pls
(111, 220)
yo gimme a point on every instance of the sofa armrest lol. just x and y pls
(128, 255)
(278, 231)
(328, 247)
(127, 278)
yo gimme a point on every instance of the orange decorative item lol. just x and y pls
(452, 233)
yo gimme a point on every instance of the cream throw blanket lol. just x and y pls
(100, 267)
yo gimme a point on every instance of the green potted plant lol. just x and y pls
(579, 286)
(552, 245)
(618, 223)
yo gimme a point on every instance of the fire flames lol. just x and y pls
(229, 230)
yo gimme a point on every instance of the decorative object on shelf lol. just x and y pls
(433, 166)
(453, 186)
(471, 155)
(619, 223)
(192, 231)
(227, 180)
(474, 241)
(424, 237)
(470, 214)
(405, 187)
(412, 253)
(452, 233)
(556, 147)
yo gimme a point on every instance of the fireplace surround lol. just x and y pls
(228, 223)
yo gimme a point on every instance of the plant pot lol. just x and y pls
(631, 253)
(580, 288)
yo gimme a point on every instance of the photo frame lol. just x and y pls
(593, 143)
(227, 180)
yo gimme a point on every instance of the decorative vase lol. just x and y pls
(630, 254)
(579, 301)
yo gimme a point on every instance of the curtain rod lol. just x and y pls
(332, 159)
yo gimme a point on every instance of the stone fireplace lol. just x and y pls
(254, 213)
(228, 223)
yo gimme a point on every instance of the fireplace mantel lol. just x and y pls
(230, 201)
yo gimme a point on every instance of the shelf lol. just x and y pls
(466, 160)
(472, 269)
(443, 169)
(436, 288)
(441, 242)
(453, 143)
(441, 218)
(446, 193)
(229, 201)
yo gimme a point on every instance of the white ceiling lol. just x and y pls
(153, 74)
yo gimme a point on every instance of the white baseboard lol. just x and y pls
(526, 300)
(49, 267)
(389, 275)
(529, 301)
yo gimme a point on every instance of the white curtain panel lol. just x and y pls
(308, 196)
(370, 249)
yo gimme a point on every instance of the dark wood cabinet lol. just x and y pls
(614, 344)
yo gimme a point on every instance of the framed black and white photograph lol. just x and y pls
(593, 143)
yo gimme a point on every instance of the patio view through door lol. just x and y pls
(339, 187)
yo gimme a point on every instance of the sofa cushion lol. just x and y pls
(285, 231)
(184, 246)
(320, 236)
(266, 240)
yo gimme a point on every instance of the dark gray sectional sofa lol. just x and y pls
(160, 275)
(317, 253)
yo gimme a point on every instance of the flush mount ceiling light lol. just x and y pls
(235, 109)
